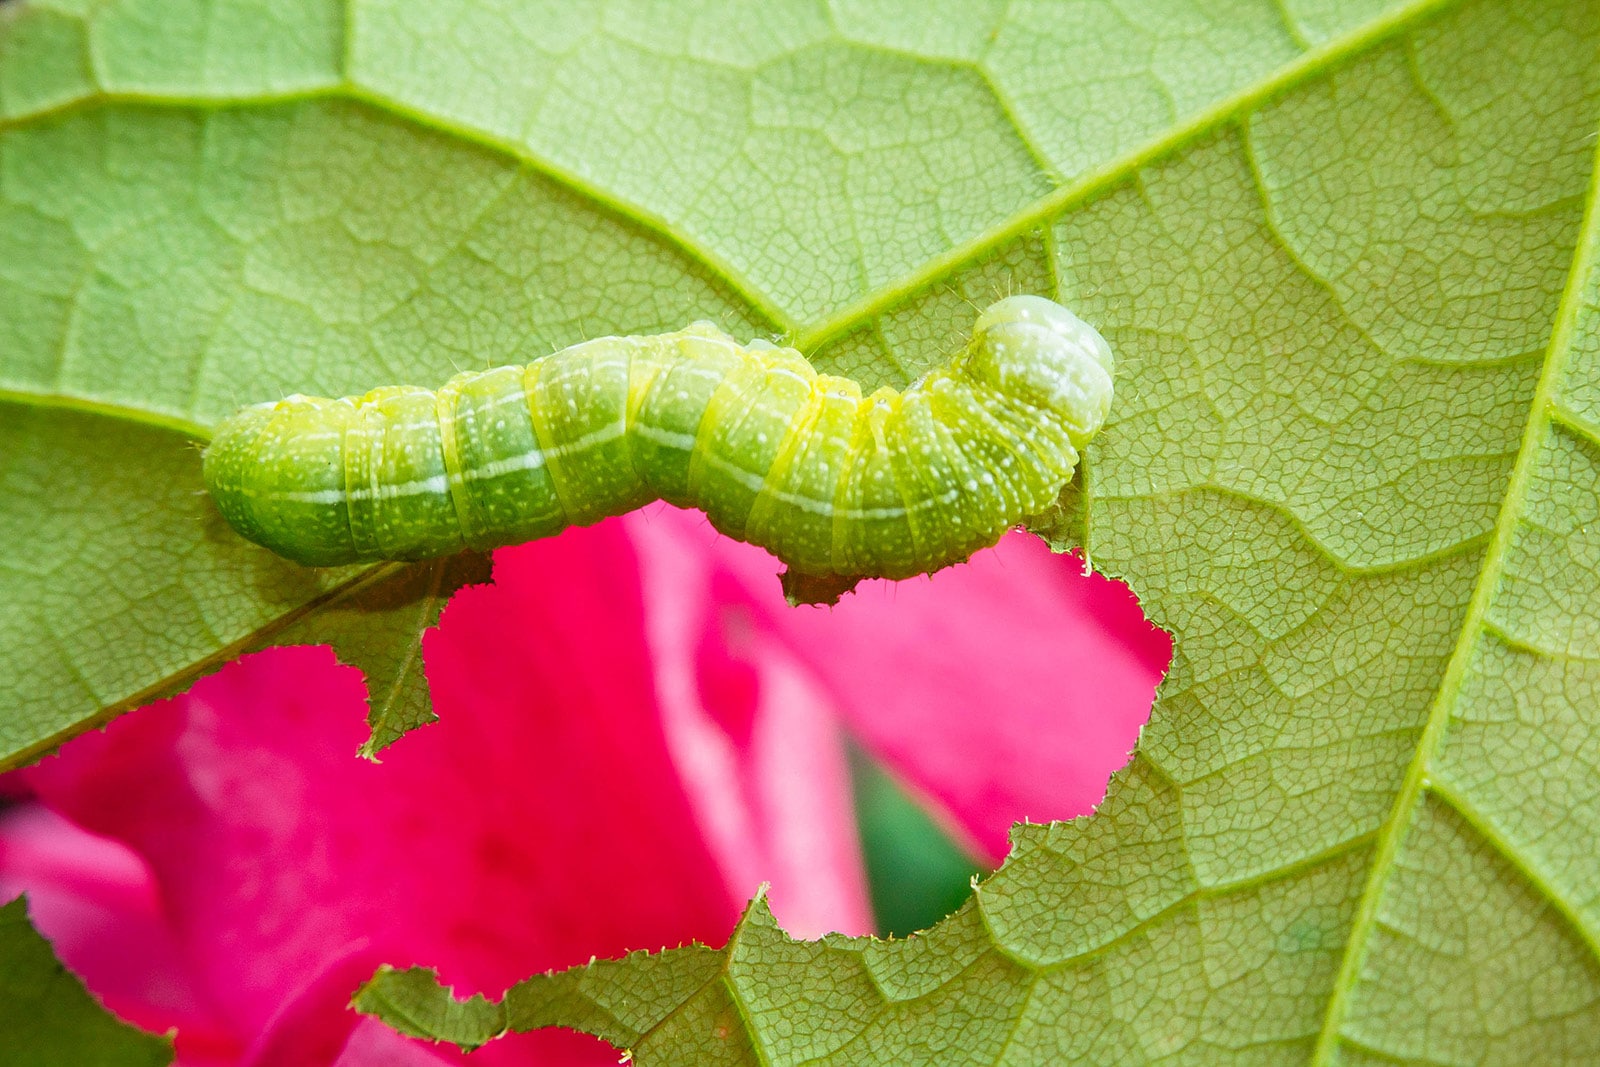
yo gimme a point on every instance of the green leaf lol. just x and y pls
(1345, 253)
(616, 999)
(47, 1018)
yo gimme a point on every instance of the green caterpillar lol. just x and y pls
(836, 485)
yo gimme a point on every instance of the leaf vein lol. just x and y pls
(1393, 832)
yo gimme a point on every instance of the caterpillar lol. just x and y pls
(838, 486)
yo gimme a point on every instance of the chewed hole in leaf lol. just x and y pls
(920, 844)
(636, 732)
(960, 691)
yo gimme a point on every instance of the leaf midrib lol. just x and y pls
(1391, 835)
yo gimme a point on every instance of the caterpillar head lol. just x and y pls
(1043, 354)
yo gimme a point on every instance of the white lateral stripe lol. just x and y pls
(438, 483)
(683, 442)
(536, 458)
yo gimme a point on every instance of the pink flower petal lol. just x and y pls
(573, 801)
(760, 751)
(372, 1044)
(96, 902)
(1006, 688)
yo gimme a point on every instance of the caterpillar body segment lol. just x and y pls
(838, 485)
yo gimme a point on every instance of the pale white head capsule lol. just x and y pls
(1038, 351)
